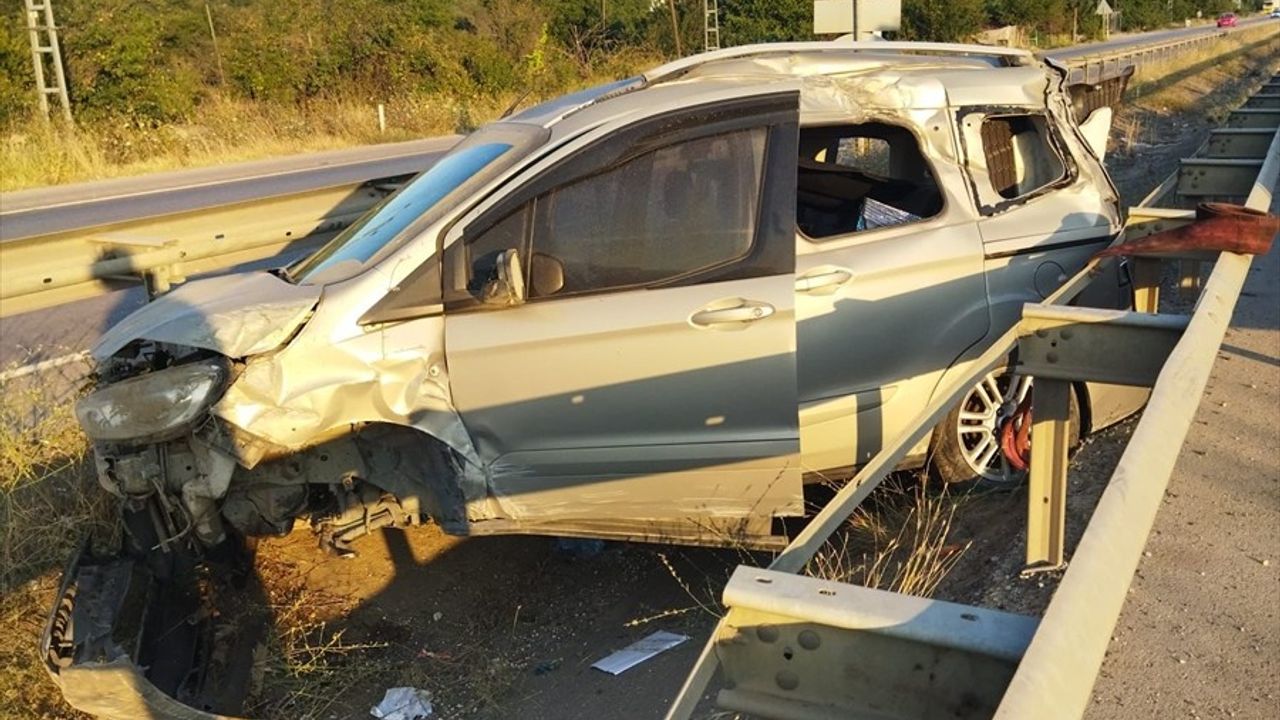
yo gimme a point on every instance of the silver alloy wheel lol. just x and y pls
(982, 412)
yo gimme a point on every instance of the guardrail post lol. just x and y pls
(157, 281)
(1146, 284)
(1047, 496)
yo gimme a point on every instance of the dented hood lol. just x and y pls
(236, 315)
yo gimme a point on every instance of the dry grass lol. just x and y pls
(1154, 77)
(49, 501)
(305, 666)
(899, 540)
(227, 131)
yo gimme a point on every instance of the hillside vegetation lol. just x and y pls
(159, 83)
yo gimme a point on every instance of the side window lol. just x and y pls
(854, 178)
(1019, 156)
(473, 262)
(658, 216)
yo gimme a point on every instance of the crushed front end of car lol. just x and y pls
(166, 626)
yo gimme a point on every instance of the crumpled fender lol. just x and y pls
(235, 315)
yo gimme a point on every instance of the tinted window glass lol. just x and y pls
(367, 236)
(661, 215)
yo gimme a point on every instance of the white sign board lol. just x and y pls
(1104, 8)
(837, 17)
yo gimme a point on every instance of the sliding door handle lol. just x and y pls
(823, 282)
(736, 315)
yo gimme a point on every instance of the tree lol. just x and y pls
(756, 21)
(942, 20)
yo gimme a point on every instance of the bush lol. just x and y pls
(942, 20)
(17, 87)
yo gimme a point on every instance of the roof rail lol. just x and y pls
(1010, 56)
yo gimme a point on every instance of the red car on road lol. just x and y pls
(1228, 20)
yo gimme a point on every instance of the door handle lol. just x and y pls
(823, 282)
(739, 314)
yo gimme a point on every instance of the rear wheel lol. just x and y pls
(966, 444)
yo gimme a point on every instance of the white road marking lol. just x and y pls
(40, 367)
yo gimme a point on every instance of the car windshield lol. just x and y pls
(414, 206)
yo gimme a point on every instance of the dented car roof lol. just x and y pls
(880, 74)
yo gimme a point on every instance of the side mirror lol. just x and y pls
(507, 288)
(546, 275)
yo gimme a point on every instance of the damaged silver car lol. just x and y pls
(646, 311)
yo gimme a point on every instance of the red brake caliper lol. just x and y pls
(1015, 436)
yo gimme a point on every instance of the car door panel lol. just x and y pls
(671, 404)
(881, 314)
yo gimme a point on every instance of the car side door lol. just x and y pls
(642, 384)
(890, 291)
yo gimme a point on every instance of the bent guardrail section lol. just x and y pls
(791, 646)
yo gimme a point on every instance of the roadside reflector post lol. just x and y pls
(1047, 496)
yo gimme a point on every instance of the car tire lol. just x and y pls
(966, 447)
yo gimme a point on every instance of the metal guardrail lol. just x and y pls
(791, 646)
(1095, 67)
(49, 270)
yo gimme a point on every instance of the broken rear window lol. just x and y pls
(1020, 158)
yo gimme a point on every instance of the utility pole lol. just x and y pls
(44, 44)
(710, 25)
(675, 28)
(217, 54)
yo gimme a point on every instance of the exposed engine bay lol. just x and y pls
(200, 480)
(193, 493)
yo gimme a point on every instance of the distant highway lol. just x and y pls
(40, 211)
(1156, 36)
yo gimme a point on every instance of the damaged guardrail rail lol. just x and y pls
(1093, 67)
(792, 646)
(101, 249)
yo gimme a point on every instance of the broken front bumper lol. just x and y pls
(123, 644)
